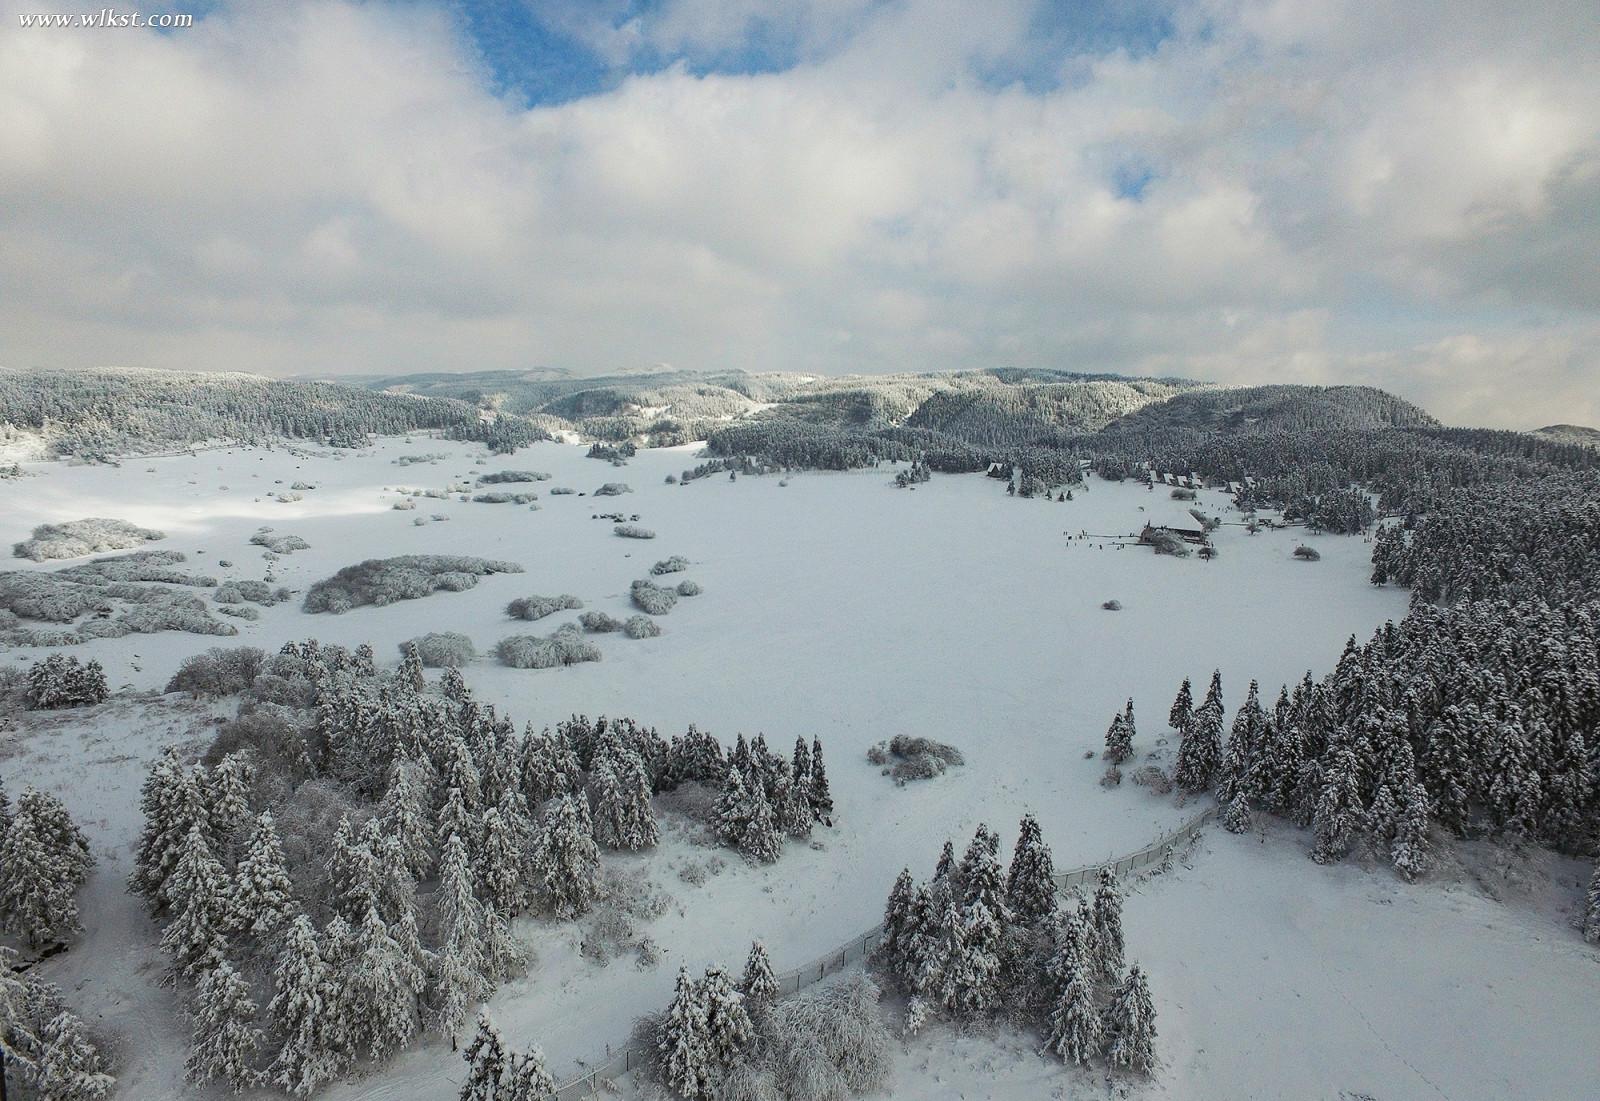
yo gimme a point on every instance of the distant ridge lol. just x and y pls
(1569, 433)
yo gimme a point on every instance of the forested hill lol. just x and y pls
(1278, 409)
(112, 411)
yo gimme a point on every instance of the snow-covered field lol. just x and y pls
(839, 606)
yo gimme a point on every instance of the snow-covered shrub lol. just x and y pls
(228, 594)
(909, 758)
(537, 607)
(513, 476)
(639, 626)
(676, 564)
(562, 491)
(633, 531)
(442, 649)
(220, 671)
(383, 581)
(60, 680)
(1181, 494)
(139, 566)
(600, 622)
(1155, 779)
(566, 646)
(173, 614)
(613, 489)
(689, 588)
(652, 598)
(279, 544)
(404, 506)
(821, 1045)
(501, 498)
(32, 595)
(1112, 605)
(1307, 554)
(1165, 542)
(76, 538)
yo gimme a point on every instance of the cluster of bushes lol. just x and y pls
(566, 646)
(911, 758)
(537, 607)
(633, 531)
(382, 581)
(613, 489)
(60, 680)
(600, 622)
(250, 591)
(513, 476)
(220, 671)
(639, 626)
(617, 453)
(652, 598)
(279, 544)
(505, 498)
(76, 538)
(676, 564)
(441, 649)
(689, 588)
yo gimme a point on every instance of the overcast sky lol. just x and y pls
(1402, 194)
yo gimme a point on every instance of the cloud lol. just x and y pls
(1264, 190)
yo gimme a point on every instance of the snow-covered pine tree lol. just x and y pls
(501, 865)
(758, 985)
(945, 869)
(979, 875)
(1200, 750)
(1131, 1022)
(791, 811)
(568, 861)
(530, 1079)
(488, 1064)
(1106, 919)
(201, 896)
(728, 1026)
(800, 764)
(820, 795)
(226, 790)
(972, 985)
(686, 1062)
(501, 953)
(262, 899)
(1182, 708)
(1030, 881)
(733, 810)
(68, 1067)
(899, 918)
(393, 886)
(1127, 720)
(1236, 813)
(1409, 850)
(44, 859)
(1338, 805)
(172, 804)
(353, 874)
(638, 816)
(378, 996)
(1591, 909)
(761, 843)
(405, 818)
(1076, 1029)
(1119, 740)
(410, 674)
(301, 1010)
(460, 962)
(225, 1041)
(456, 819)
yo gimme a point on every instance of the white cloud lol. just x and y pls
(1336, 192)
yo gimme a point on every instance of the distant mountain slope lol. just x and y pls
(1569, 433)
(1278, 409)
(104, 412)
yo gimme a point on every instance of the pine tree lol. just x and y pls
(262, 900)
(353, 874)
(1338, 805)
(1410, 848)
(733, 810)
(1030, 881)
(488, 1064)
(461, 963)
(225, 789)
(410, 673)
(1182, 708)
(501, 864)
(1591, 909)
(821, 798)
(530, 1080)
(172, 804)
(201, 899)
(686, 1061)
(758, 985)
(1076, 1029)
(1200, 749)
(800, 764)
(899, 918)
(225, 1040)
(946, 867)
(44, 859)
(1119, 740)
(1132, 1024)
(1236, 814)
(568, 863)
(300, 1012)
(456, 819)
(379, 994)
(1106, 925)
(405, 819)
(68, 1067)
(728, 1026)
(761, 841)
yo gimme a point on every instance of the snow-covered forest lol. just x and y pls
(399, 857)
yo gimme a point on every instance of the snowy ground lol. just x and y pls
(837, 606)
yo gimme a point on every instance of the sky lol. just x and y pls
(1246, 191)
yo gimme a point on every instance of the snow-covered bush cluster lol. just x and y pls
(600, 622)
(613, 489)
(562, 491)
(139, 566)
(639, 626)
(975, 941)
(688, 588)
(442, 649)
(60, 680)
(537, 607)
(220, 671)
(383, 581)
(75, 538)
(654, 599)
(565, 646)
(106, 588)
(513, 476)
(676, 564)
(736, 1041)
(503, 498)
(247, 590)
(279, 544)
(1307, 554)
(906, 758)
(633, 531)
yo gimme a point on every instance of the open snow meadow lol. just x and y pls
(836, 606)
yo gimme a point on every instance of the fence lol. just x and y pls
(636, 1052)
